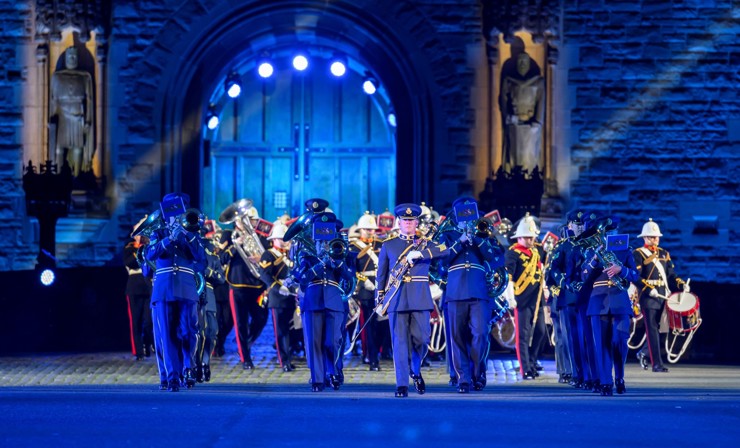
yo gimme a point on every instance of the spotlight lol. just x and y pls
(391, 118)
(370, 85)
(233, 86)
(47, 277)
(265, 69)
(338, 66)
(300, 62)
(212, 120)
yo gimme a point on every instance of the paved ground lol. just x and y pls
(107, 399)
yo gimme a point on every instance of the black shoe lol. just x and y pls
(374, 367)
(163, 385)
(292, 366)
(643, 360)
(199, 374)
(463, 388)
(419, 384)
(340, 377)
(452, 382)
(138, 357)
(480, 382)
(189, 378)
(621, 388)
(402, 392)
(607, 390)
(248, 365)
(660, 369)
(286, 368)
(597, 387)
(538, 367)
(528, 376)
(206, 373)
(536, 373)
(173, 386)
(333, 381)
(317, 387)
(576, 383)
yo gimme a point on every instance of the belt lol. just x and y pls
(369, 273)
(415, 278)
(175, 270)
(133, 271)
(607, 283)
(655, 282)
(323, 282)
(466, 266)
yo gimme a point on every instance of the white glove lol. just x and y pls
(370, 286)
(284, 291)
(686, 287)
(509, 296)
(413, 255)
(653, 293)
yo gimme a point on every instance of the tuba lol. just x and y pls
(251, 245)
(595, 239)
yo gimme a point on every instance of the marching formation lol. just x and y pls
(419, 280)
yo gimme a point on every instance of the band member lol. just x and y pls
(323, 312)
(469, 309)
(609, 308)
(556, 303)
(409, 305)
(207, 322)
(178, 255)
(138, 296)
(250, 317)
(281, 300)
(367, 249)
(657, 280)
(565, 303)
(524, 262)
(223, 303)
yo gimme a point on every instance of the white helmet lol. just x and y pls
(367, 222)
(278, 231)
(252, 213)
(527, 228)
(650, 228)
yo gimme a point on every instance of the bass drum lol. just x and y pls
(503, 330)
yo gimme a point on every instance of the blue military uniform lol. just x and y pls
(214, 275)
(610, 310)
(410, 308)
(467, 301)
(177, 257)
(323, 313)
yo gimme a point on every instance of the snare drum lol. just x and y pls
(682, 309)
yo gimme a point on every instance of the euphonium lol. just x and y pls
(595, 240)
(250, 244)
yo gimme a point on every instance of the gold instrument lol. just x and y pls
(249, 244)
(595, 239)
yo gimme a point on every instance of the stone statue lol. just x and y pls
(523, 111)
(72, 115)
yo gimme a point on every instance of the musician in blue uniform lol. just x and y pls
(409, 305)
(207, 321)
(657, 279)
(178, 255)
(565, 302)
(322, 306)
(471, 257)
(281, 300)
(611, 267)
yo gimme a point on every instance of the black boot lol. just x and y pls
(199, 374)
(402, 392)
(607, 390)
(173, 386)
(189, 378)
(419, 384)
(621, 388)
(206, 373)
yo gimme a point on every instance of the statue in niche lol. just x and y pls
(71, 125)
(522, 103)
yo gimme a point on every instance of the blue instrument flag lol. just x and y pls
(617, 242)
(324, 231)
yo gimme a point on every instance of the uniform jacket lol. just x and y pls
(237, 273)
(605, 297)
(519, 264)
(214, 275)
(177, 261)
(650, 276)
(275, 267)
(414, 293)
(367, 267)
(468, 263)
(137, 283)
(321, 283)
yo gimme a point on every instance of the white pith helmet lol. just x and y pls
(367, 222)
(650, 228)
(527, 228)
(278, 231)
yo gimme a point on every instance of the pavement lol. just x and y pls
(109, 399)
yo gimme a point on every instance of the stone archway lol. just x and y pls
(395, 40)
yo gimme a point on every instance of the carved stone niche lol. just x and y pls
(521, 37)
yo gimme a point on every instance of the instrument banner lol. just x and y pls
(617, 242)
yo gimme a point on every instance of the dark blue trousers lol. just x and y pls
(322, 332)
(468, 322)
(179, 326)
(611, 333)
(410, 336)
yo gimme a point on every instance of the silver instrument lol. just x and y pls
(250, 244)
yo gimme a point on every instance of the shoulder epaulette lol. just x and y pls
(390, 238)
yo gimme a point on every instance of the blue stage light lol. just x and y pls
(47, 277)
(300, 62)
(213, 122)
(391, 119)
(265, 69)
(233, 85)
(370, 85)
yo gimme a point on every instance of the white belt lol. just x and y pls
(133, 271)
(175, 269)
(466, 266)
